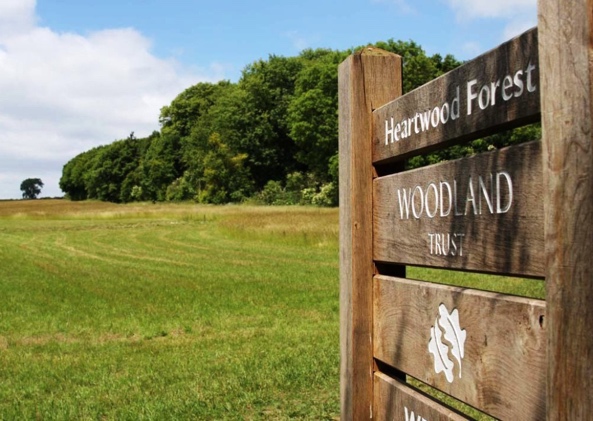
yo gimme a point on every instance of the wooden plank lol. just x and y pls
(566, 49)
(502, 367)
(366, 80)
(396, 401)
(496, 91)
(483, 213)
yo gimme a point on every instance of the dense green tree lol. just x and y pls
(31, 187)
(272, 135)
(160, 166)
(266, 89)
(132, 153)
(418, 67)
(72, 181)
(225, 178)
(188, 108)
(313, 111)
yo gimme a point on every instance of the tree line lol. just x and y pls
(271, 137)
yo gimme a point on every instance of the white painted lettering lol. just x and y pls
(446, 244)
(460, 236)
(471, 95)
(507, 83)
(388, 132)
(493, 86)
(417, 214)
(483, 94)
(404, 129)
(437, 248)
(484, 97)
(404, 203)
(455, 111)
(471, 197)
(454, 246)
(431, 236)
(436, 200)
(442, 206)
(435, 117)
(425, 120)
(518, 83)
(411, 417)
(484, 193)
(490, 193)
(530, 86)
(509, 183)
(445, 113)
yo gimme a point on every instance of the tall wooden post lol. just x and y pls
(367, 80)
(566, 57)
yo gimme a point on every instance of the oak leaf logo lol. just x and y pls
(446, 326)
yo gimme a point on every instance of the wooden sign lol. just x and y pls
(396, 401)
(496, 91)
(567, 125)
(485, 349)
(481, 213)
(525, 210)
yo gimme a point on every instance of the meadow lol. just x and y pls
(176, 311)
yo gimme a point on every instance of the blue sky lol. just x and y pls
(77, 74)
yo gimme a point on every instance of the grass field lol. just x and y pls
(174, 311)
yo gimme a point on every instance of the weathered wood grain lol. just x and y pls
(367, 80)
(508, 242)
(502, 371)
(566, 51)
(510, 106)
(396, 401)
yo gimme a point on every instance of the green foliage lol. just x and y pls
(182, 188)
(327, 195)
(72, 181)
(187, 109)
(160, 166)
(267, 87)
(31, 187)
(313, 113)
(224, 178)
(497, 141)
(274, 194)
(271, 137)
(299, 189)
(418, 68)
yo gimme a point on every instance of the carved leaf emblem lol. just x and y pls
(446, 326)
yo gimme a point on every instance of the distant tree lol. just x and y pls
(31, 187)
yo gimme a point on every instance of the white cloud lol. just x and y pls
(63, 93)
(16, 16)
(492, 8)
(519, 15)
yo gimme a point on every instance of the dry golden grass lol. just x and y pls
(309, 223)
(50, 208)
(316, 226)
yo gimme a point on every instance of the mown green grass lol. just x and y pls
(165, 313)
(175, 311)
